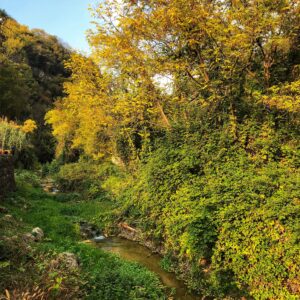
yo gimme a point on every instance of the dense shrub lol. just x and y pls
(84, 177)
(234, 214)
(25, 177)
(51, 169)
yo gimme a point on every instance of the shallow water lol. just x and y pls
(133, 251)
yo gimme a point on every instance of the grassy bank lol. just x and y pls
(31, 268)
(223, 216)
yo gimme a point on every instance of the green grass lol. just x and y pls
(102, 275)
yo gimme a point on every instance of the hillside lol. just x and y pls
(32, 74)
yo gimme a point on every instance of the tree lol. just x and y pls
(221, 59)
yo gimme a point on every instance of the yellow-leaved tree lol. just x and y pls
(154, 63)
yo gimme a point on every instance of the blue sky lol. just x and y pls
(67, 19)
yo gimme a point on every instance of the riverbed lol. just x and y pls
(133, 251)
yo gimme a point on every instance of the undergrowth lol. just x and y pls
(27, 268)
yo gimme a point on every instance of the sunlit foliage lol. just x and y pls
(198, 102)
(31, 77)
(13, 135)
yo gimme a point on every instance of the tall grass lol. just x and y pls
(11, 135)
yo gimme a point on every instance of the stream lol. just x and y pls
(136, 252)
(133, 251)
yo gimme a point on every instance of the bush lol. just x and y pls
(25, 177)
(51, 168)
(84, 177)
(233, 214)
